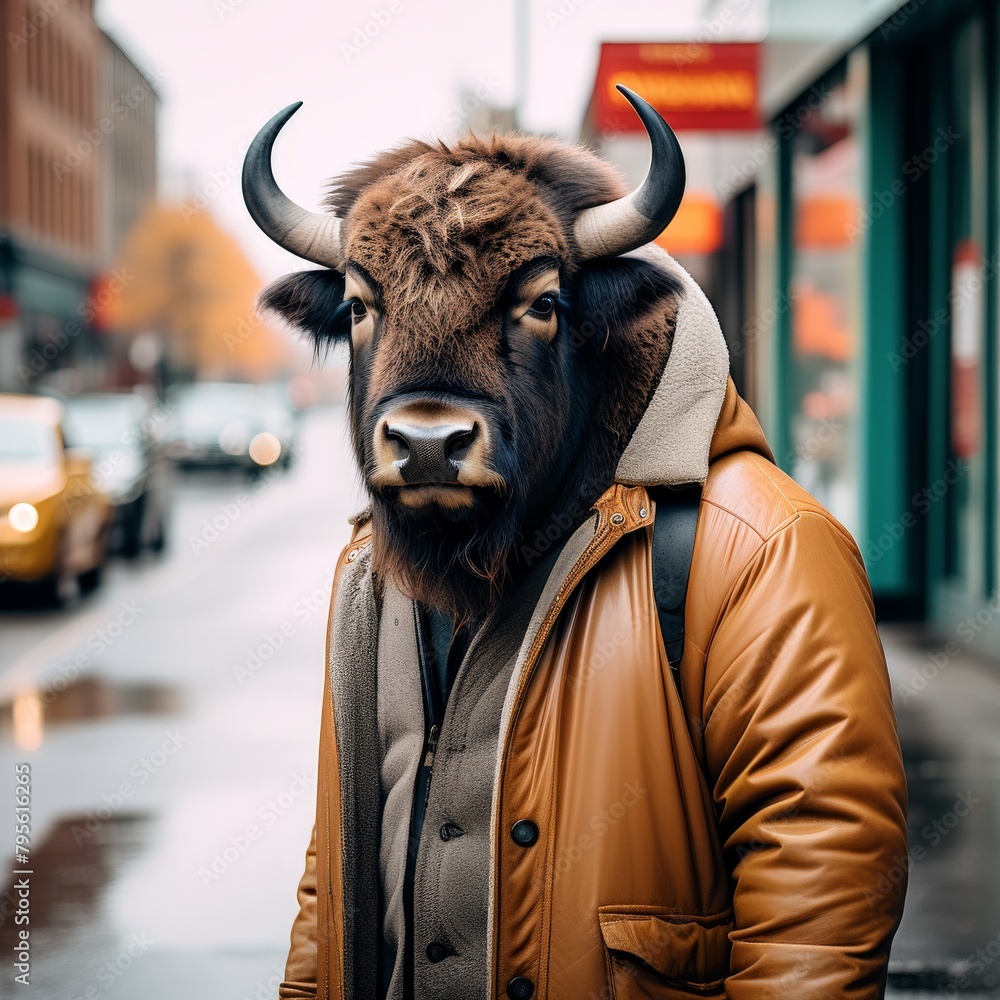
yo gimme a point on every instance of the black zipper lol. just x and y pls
(433, 711)
(430, 747)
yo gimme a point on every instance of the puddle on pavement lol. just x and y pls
(71, 868)
(939, 982)
(26, 717)
(949, 940)
(71, 936)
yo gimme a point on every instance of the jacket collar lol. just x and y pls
(671, 444)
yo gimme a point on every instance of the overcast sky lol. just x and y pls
(223, 67)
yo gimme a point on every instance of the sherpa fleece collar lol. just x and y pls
(671, 444)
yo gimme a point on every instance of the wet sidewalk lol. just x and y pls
(173, 780)
(947, 696)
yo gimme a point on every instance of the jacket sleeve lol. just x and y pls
(302, 965)
(802, 751)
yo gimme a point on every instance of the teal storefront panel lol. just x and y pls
(889, 519)
(38, 291)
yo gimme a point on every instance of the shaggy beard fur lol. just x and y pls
(455, 561)
(461, 562)
(440, 230)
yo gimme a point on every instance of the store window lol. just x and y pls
(971, 270)
(829, 219)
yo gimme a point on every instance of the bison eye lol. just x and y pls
(358, 309)
(543, 307)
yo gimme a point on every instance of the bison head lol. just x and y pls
(502, 351)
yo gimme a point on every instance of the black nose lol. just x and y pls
(429, 452)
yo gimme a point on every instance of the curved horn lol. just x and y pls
(622, 225)
(314, 236)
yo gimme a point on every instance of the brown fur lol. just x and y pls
(441, 229)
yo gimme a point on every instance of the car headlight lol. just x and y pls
(23, 517)
(265, 448)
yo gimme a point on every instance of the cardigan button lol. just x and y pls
(524, 832)
(437, 952)
(520, 988)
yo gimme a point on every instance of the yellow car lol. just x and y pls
(54, 523)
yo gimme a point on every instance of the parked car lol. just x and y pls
(54, 521)
(232, 424)
(131, 464)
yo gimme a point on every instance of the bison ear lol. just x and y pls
(311, 301)
(612, 293)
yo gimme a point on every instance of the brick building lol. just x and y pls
(77, 143)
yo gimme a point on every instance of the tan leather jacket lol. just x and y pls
(724, 841)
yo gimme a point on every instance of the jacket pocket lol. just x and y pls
(652, 952)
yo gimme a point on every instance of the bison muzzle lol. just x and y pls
(504, 339)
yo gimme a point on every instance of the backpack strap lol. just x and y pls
(673, 544)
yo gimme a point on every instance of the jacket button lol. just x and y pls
(520, 988)
(437, 952)
(450, 830)
(524, 832)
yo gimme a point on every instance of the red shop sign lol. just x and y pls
(693, 85)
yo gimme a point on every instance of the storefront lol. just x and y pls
(871, 347)
(46, 330)
(844, 225)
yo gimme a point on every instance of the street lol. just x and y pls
(170, 723)
(173, 781)
(947, 697)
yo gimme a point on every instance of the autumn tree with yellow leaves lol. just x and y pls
(190, 283)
